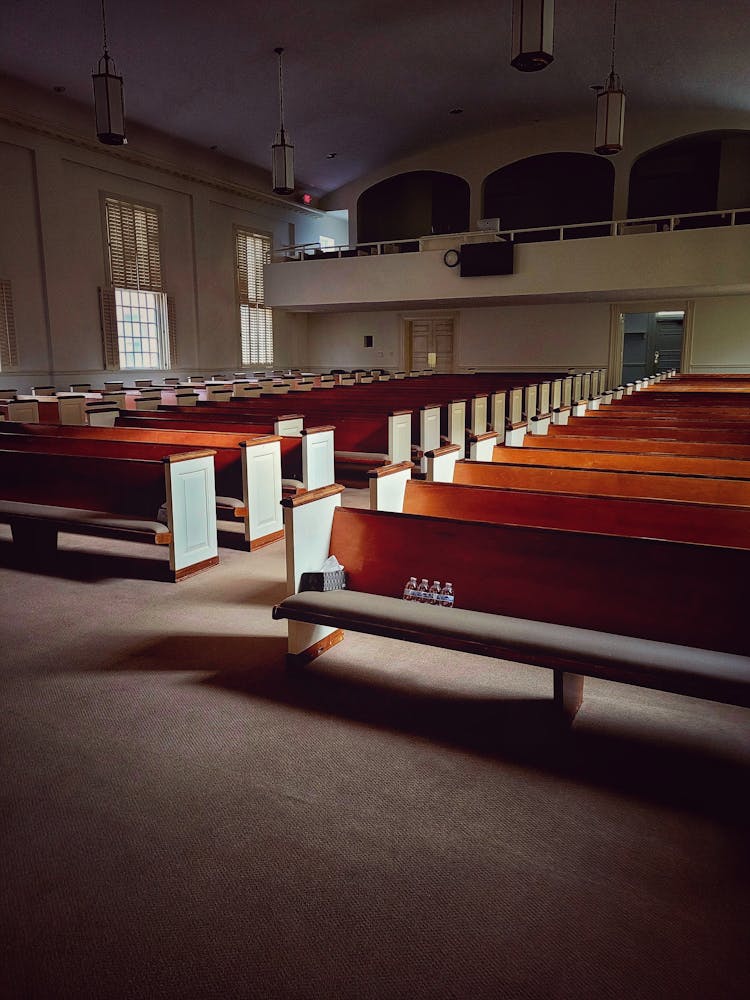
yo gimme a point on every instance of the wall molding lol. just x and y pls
(40, 126)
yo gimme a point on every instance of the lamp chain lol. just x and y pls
(104, 25)
(281, 88)
(614, 33)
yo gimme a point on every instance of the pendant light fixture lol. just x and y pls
(282, 151)
(531, 34)
(610, 107)
(109, 107)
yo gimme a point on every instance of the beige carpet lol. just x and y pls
(182, 818)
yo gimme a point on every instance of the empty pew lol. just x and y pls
(640, 446)
(247, 472)
(661, 621)
(306, 459)
(626, 462)
(42, 494)
(656, 486)
(682, 521)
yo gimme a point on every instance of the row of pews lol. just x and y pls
(168, 471)
(616, 546)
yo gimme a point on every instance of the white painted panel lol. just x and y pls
(441, 468)
(308, 538)
(387, 492)
(246, 390)
(72, 411)
(191, 511)
(479, 414)
(291, 427)
(399, 437)
(481, 451)
(429, 419)
(516, 405)
(261, 467)
(567, 391)
(556, 394)
(219, 394)
(497, 412)
(544, 396)
(457, 425)
(26, 411)
(532, 409)
(317, 460)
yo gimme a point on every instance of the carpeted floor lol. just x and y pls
(182, 818)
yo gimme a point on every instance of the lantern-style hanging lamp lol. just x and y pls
(282, 151)
(109, 106)
(531, 34)
(610, 107)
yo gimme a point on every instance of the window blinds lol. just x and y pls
(252, 253)
(8, 350)
(133, 240)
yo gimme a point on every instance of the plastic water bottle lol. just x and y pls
(435, 593)
(410, 589)
(423, 592)
(446, 596)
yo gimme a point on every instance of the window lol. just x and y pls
(252, 253)
(137, 317)
(8, 352)
(327, 243)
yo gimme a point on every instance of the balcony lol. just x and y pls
(666, 256)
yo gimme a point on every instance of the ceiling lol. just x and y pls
(371, 81)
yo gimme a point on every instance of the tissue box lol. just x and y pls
(323, 580)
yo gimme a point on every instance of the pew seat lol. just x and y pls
(528, 594)
(700, 673)
(171, 501)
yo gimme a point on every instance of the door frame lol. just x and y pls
(406, 319)
(617, 334)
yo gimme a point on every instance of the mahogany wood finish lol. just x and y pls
(291, 447)
(639, 446)
(657, 486)
(122, 486)
(227, 460)
(708, 524)
(614, 429)
(661, 590)
(626, 462)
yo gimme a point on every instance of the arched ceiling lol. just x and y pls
(368, 81)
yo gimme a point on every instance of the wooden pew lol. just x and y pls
(640, 445)
(682, 521)
(656, 486)
(626, 461)
(524, 594)
(247, 472)
(646, 431)
(41, 494)
(307, 459)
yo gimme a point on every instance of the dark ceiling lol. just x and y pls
(372, 81)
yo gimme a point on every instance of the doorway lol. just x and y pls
(429, 343)
(652, 342)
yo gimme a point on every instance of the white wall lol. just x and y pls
(721, 334)
(53, 177)
(505, 337)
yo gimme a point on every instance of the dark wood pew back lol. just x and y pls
(659, 590)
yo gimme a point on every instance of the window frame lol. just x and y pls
(114, 338)
(244, 300)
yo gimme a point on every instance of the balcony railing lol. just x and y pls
(539, 234)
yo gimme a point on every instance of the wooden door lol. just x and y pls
(431, 342)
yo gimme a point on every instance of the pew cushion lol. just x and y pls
(73, 519)
(686, 670)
